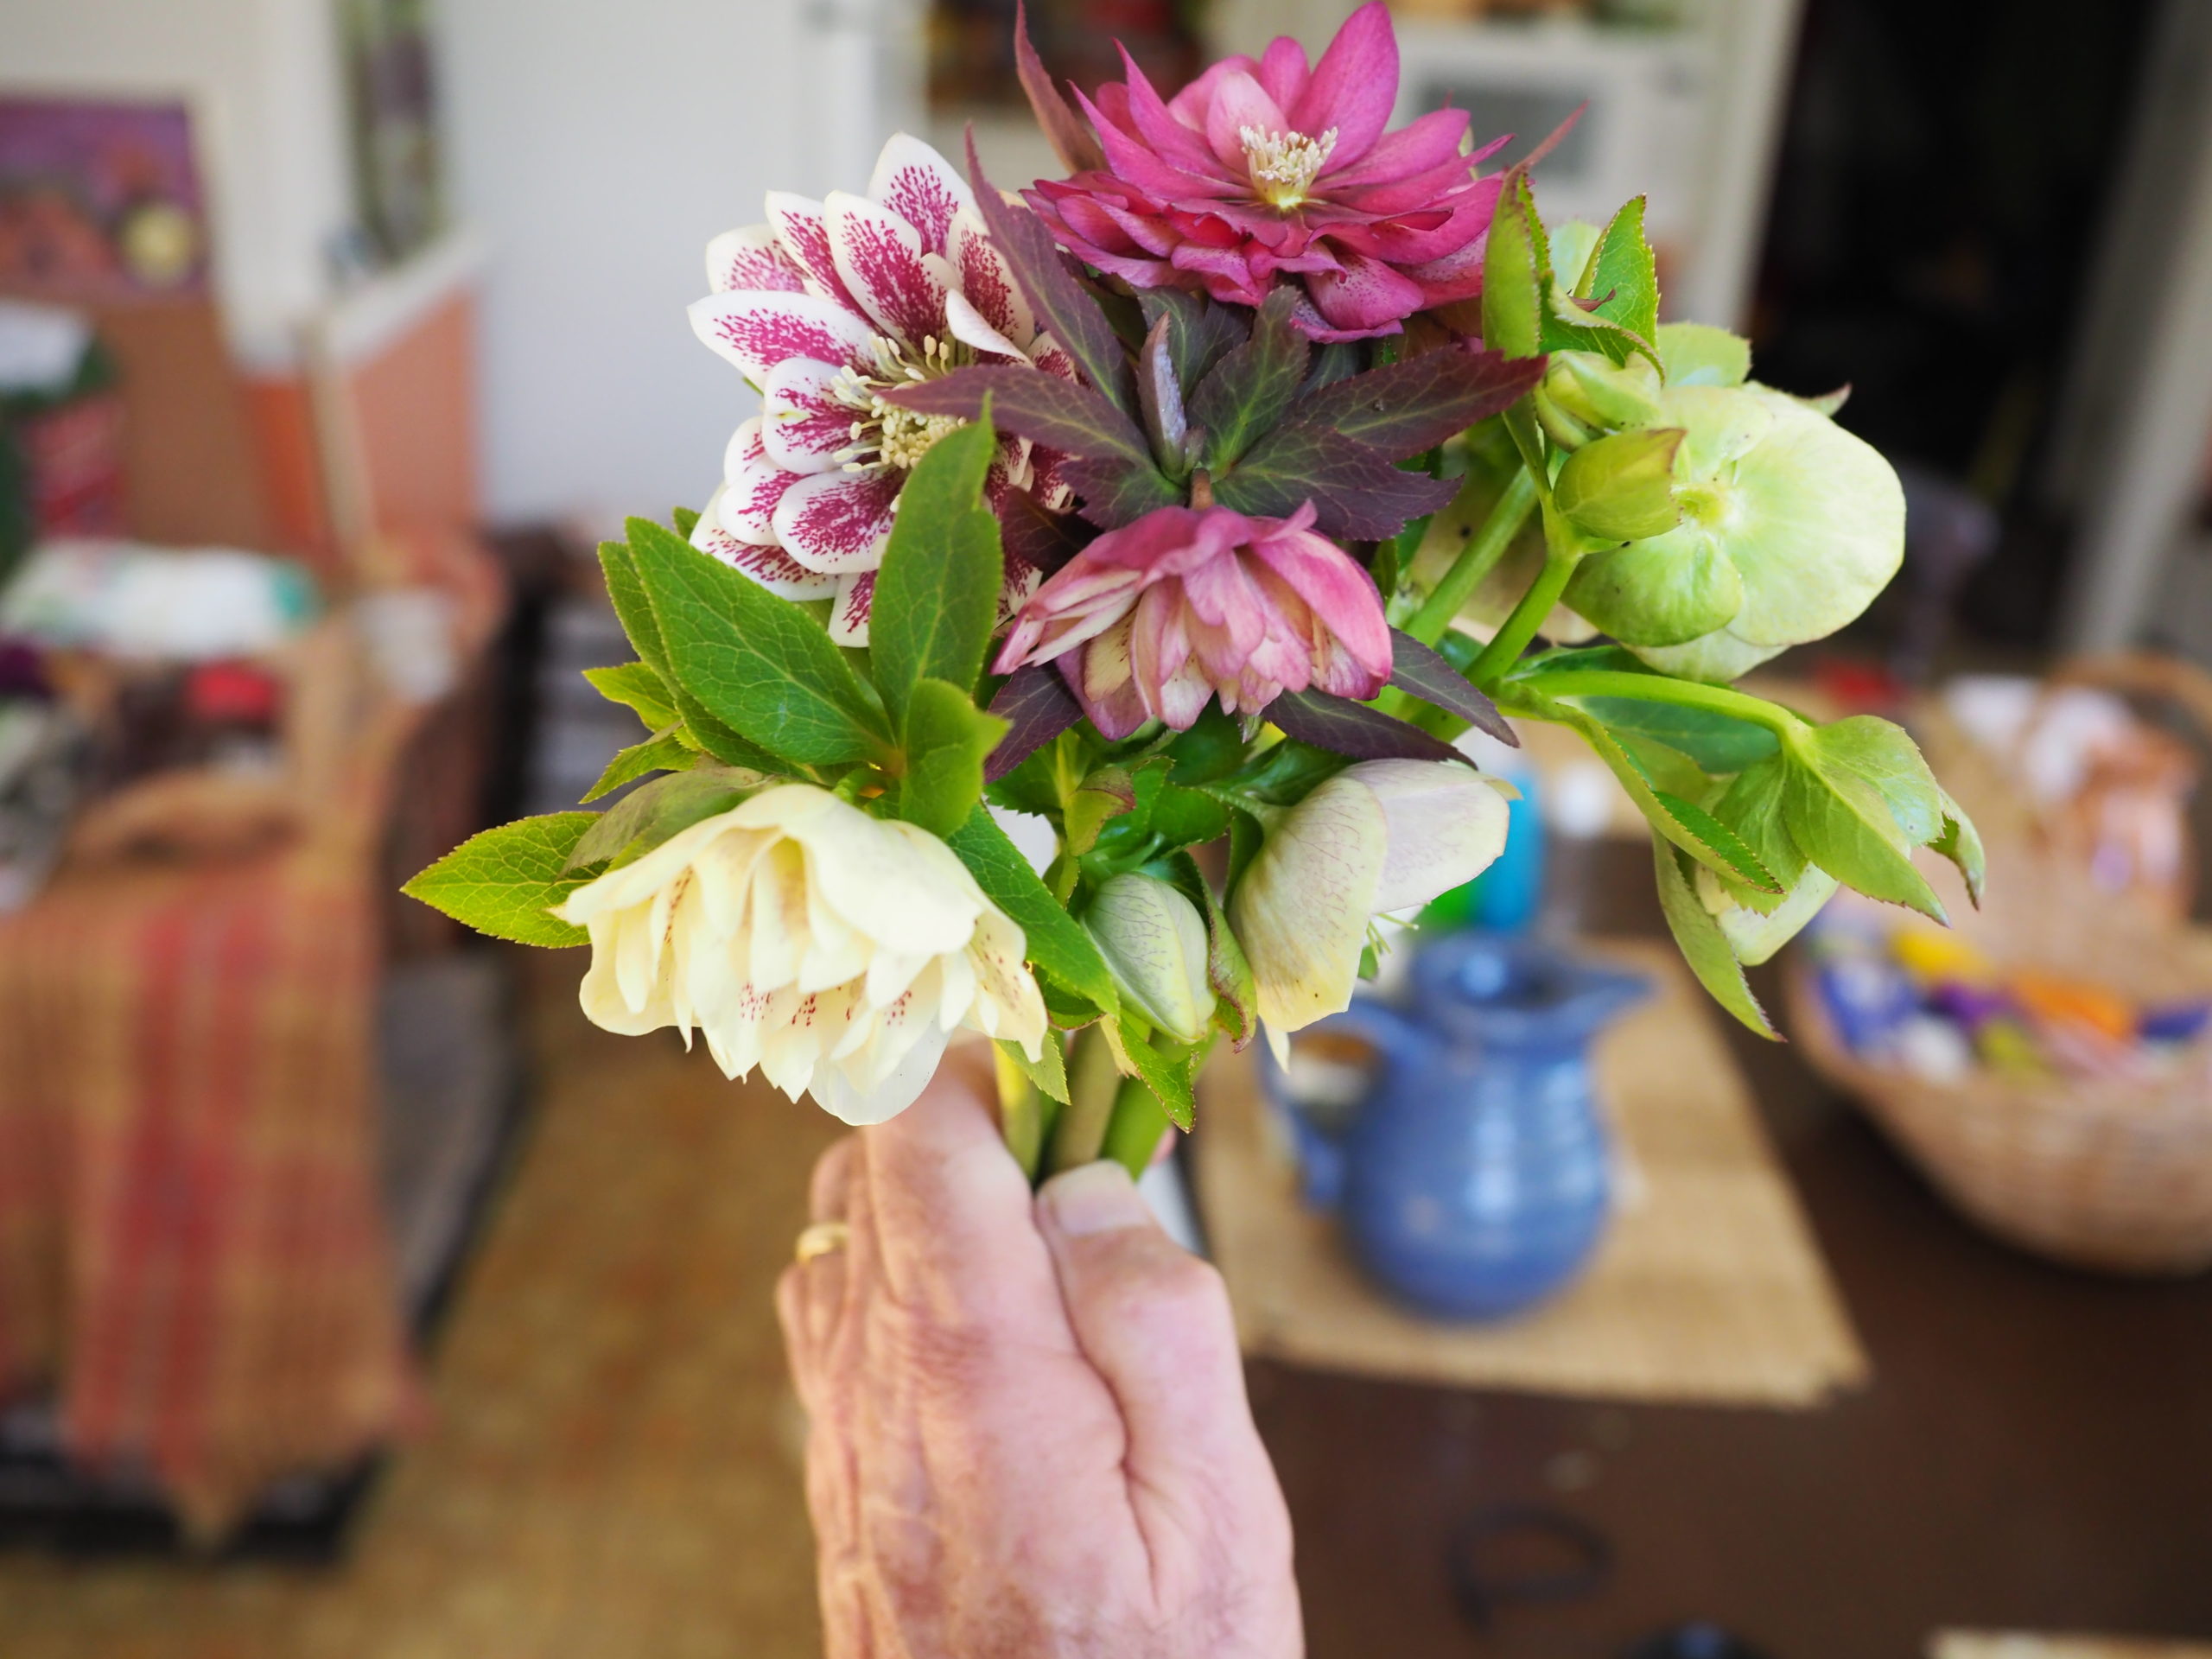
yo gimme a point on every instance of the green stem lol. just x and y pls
(1138, 1124)
(1022, 1117)
(1476, 560)
(1528, 615)
(1093, 1083)
(1658, 687)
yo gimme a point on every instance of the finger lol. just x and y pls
(951, 1227)
(823, 1279)
(830, 1193)
(1154, 1321)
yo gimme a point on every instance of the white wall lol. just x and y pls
(263, 79)
(597, 145)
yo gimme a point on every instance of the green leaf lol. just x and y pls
(1881, 753)
(1049, 1070)
(1752, 807)
(686, 519)
(1703, 945)
(665, 751)
(947, 738)
(1961, 842)
(627, 589)
(1622, 488)
(758, 663)
(1742, 863)
(506, 881)
(1517, 270)
(657, 811)
(1248, 390)
(1718, 743)
(1199, 331)
(1168, 1075)
(1623, 277)
(1057, 945)
(1846, 827)
(936, 595)
(638, 688)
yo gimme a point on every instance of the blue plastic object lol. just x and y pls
(1475, 1178)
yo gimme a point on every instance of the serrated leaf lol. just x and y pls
(1037, 706)
(1113, 493)
(626, 590)
(1168, 1077)
(506, 881)
(756, 662)
(1248, 390)
(1107, 794)
(665, 751)
(1062, 306)
(1726, 844)
(1961, 842)
(1357, 495)
(1752, 807)
(1703, 945)
(937, 592)
(1880, 752)
(1622, 276)
(1343, 727)
(653, 812)
(1200, 332)
(1057, 945)
(638, 688)
(947, 737)
(1029, 403)
(1846, 826)
(686, 519)
(1063, 128)
(1424, 672)
(1718, 743)
(1406, 407)
(1516, 271)
(1049, 1070)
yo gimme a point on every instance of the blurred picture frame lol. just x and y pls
(102, 196)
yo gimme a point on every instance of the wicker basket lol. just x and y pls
(2104, 1174)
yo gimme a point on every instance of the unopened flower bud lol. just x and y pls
(1381, 836)
(1756, 936)
(1154, 941)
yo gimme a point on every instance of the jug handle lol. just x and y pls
(1321, 1155)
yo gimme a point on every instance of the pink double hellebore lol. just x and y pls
(1257, 168)
(1152, 619)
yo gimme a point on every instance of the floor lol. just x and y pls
(610, 1469)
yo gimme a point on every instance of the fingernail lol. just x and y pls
(1098, 1198)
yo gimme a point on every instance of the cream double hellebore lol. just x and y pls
(835, 951)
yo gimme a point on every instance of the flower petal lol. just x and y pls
(849, 616)
(1240, 104)
(838, 522)
(770, 565)
(971, 327)
(988, 282)
(752, 485)
(802, 232)
(750, 258)
(804, 426)
(879, 257)
(756, 329)
(1368, 296)
(919, 185)
(1354, 85)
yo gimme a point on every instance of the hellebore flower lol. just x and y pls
(824, 310)
(1152, 619)
(1789, 527)
(1154, 941)
(1381, 836)
(1267, 166)
(834, 950)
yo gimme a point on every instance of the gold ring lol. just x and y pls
(821, 1239)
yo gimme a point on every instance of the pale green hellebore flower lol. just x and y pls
(1155, 942)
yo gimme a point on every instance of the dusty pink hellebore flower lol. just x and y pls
(1267, 166)
(1152, 619)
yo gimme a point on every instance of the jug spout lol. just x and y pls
(1397, 1041)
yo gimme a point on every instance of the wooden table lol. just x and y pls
(2034, 1451)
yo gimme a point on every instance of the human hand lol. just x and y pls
(1028, 1434)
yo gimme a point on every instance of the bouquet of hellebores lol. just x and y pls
(1194, 504)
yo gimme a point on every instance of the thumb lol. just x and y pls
(1154, 1320)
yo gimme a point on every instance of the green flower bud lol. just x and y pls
(1622, 488)
(1154, 941)
(1790, 525)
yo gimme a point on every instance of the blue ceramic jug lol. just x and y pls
(1475, 1178)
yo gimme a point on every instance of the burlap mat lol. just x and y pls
(1708, 1287)
(1979, 1644)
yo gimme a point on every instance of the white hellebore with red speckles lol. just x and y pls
(825, 308)
(835, 951)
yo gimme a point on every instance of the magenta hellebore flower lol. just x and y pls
(1267, 166)
(1191, 601)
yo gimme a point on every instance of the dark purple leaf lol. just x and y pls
(1343, 727)
(1072, 315)
(1071, 141)
(1422, 671)
(1031, 404)
(1038, 704)
(1044, 541)
(1339, 360)
(1407, 407)
(1118, 492)
(1160, 396)
(1200, 332)
(1250, 389)
(1357, 495)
